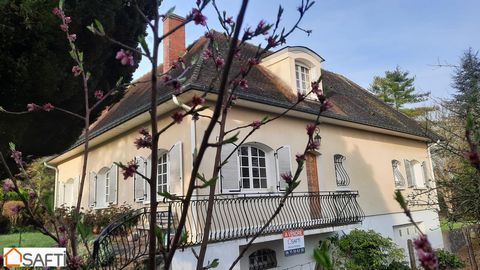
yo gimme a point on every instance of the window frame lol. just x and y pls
(302, 69)
(265, 254)
(342, 179)
(165, 172)
(418, 174)
(398, 179)
(107, 187)
(251, 167)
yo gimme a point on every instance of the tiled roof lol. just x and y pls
(351, 102)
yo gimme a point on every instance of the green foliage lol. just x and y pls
(448, 260)
(322, 255)
(396, 88)
(36, 66)
(368, 250)
(102, 217)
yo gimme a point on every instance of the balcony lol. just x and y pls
(234, 216)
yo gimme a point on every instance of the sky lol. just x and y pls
(363, 39)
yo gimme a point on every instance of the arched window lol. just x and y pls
(262, 259)
(341, 174)
(162, 172)
(253, 168)
(397, 175)
(302, 77)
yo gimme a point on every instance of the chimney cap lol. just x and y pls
(173, 16)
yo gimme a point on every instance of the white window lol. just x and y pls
(341, 174)
(417, 173)
(253, 168)
(107, 185)
(302, 76)
(169, 174)
(67, 192)
(397, 175)
(103, 187)
(162, 173)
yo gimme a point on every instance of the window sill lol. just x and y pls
(400, 188)
(419, 188)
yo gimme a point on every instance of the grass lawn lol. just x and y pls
(29, 239)
(446, 226)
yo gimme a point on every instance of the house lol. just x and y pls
(368, 151)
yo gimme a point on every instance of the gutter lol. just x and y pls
(56, 181)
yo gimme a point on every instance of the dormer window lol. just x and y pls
(302, 75)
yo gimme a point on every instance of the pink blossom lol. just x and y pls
(253, 61)
(48, 107)
(198, 17)
(62, 229)
(256, 124)
(327, 105)
(130, 169)
(143, 131)
(262, 28)
(177, 117)
(229, 20)
(321, 98)
(300, 157)
(219, 62)
(125, 57)
(311, 129)
(72, 37)
(425, 253)
(207, 53)
(196, 100)
(32, 107)
(17, 156)
(75, 262)
(474, 157)
(287, 177)
(62, 241)
(15, 208)
(68, 20)
(209, 34)
(76, 70)
(98, 94)
(241, 82)
(313, 145)
(32, 195)
(64, 27)
(8, 185)
(1, 258)
(176, 84)
(57, 11)
(165, 78)
(316, 88)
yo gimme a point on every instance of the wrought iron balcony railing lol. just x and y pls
(234, 216)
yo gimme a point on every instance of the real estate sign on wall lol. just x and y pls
(293, 242)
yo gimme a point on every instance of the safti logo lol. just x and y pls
(34, 257)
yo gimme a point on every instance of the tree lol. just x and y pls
(36, 67)
(397, 89)
(226, 82)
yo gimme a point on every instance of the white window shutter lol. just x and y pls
(175, 177)
(139, 182)
(426, 176)
(113, 185)
(409, 173)
(68, 193)
(61, 194)
(283, 165)
(92, 198)
(230, 172)
(147, 185)
(100, 190)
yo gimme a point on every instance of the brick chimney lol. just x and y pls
(173, 45)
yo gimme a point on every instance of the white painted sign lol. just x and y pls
(293, 242)
(34, 257)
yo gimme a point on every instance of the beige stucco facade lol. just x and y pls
(368, 155)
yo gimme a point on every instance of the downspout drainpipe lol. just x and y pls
(56, 182)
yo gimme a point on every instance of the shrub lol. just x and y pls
(368, 250)
(102, 217)
(448, 260)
